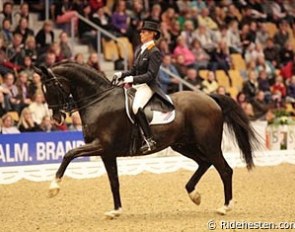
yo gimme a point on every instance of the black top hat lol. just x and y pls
(152, 25)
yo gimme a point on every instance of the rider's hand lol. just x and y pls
(117, 75)
(128, 79)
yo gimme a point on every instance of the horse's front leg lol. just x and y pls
(110, 164)
(91, 149)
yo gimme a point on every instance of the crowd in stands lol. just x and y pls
(201, 41)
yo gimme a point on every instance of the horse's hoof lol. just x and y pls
(224, 209)
(113, 213)
(195, 196)
(53, 192)
(54, 188)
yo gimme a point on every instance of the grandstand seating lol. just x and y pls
(238, 62)
(222, 78)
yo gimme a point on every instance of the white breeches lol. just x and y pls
(142, 96)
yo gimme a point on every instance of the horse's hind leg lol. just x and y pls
(191, 151)
(225, 172)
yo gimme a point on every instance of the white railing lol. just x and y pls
(99, 32)
(182, 82)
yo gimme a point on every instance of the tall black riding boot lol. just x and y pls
(144, 124)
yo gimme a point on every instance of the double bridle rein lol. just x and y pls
(66, 102)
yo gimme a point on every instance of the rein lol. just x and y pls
(66, 104)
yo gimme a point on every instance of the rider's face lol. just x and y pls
(146, 36)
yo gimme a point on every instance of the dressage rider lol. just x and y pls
(144, 78)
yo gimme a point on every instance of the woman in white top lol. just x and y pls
(38, 108)
(8, 125)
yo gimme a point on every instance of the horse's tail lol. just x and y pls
(239, 126)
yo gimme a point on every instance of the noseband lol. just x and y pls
(63, 96)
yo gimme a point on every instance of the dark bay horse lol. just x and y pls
(195, 133)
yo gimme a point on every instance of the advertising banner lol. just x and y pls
(37, 147)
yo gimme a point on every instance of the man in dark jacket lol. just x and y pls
(144, 76)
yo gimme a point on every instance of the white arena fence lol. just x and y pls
(36, 156)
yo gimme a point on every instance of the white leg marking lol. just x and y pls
(113, 213)
(54, 187)
(225, 208)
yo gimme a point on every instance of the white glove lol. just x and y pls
(128, 79)
(117, 75)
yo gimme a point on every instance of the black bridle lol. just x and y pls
(66, 103)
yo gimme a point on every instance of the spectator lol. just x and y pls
(79, 58)
(250, 86)
(26, 122)
(193, 78)
(262, 64)
(187, 33)
(12, 92)
(87, 33)
(65, 46)
(6, 33)
(271, 53)
(7, 13)
(76, 124)
(93, 61)
(174, 33)
(234, 38)
(23, 29)
(23, 12)
(56, 50)
(50, 59)
(181, 48)
(46, 124)
(282, 35)
(63, 11)
(278, 88)
(168, 83)
(262, 34)
(205, 37)
(4, 103)
(163, 46)
(260, 107)
(290, 90)
(35, 85)
(38, 107)
(220, 59)
(286, 54)
(96, 4)
(28, 67)
(167, 17)
(209, 85)
(45, 37)
(241, 100)
(23, 88)
(206, 20)
(231, 14)
(155, 13)
(15, 51)
(120, 18)
(222, 91)
(202, 57)
(5, 65)
(264, 84)
(180, 65)
(103, 20)
(31, 48)
(218, 16)
(8, 125)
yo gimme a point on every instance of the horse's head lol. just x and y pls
(56, 92)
